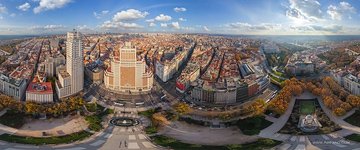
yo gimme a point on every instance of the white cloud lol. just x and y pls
(130, 14)
(206, 28)
(12, 15)
(239, 25)
(151, 24)
(98, 15)
(337, 12)
(188, 28)
(318, 28)
(305, 10)
(48, 27)
(82, 27)
(182, 19)
(249, 27)
(121, 25)
(24, 7)
(45, 5)
(150, 20)
(163, 17)
(164, 25)
(3, 9)
(121, 20)
(179, 9)
(175, 25)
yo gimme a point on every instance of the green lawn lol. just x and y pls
(307, 107)
(276, 80)
(96, 119)
(278, 73)
(91, 107)
(253, 125)
(147, 113)
(354, 118)
(13, 119)
(353, 137)
(177, 145)
(45, 140)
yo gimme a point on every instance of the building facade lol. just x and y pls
(128, 72)
(226, 92)
(188, 75)
(40, 92)
(352, 84)
(13, 87)
(95, 74)
(52, 62)
(71, 80)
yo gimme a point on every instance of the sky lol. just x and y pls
(254, 17)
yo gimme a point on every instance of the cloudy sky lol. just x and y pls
(271, 17)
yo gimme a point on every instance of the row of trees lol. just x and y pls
(281, 102)
(55, 109)
(182, 108)
(253, 108)
(334, 96)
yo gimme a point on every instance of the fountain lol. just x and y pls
(309, 123)
(124, 121)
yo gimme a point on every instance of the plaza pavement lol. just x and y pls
(55, 127)
(108, 139)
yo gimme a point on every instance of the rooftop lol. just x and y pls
(40, 88)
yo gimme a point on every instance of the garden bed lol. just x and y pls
(13, 119)
(253, 125)
(96, 119)
(353, 137)
(178, 145)
(354, 119)
(46, 140)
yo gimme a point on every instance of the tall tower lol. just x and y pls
(71, 77)
(74, 61)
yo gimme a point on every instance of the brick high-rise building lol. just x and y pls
(128, 72)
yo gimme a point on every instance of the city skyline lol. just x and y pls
(261, 17)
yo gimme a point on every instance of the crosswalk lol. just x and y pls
(332, 140)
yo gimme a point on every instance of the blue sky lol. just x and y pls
(306, 17)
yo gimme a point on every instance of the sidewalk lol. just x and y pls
(279, 123)
(338, 120)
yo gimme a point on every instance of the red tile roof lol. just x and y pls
(40, 88)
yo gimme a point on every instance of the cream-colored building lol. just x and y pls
(128, 72)
(71, 78)
(14, 88)
(352, 84)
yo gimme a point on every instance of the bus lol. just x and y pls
(119, 104)
(162, 97)
(139, 103)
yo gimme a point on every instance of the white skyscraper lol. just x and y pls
(71, 78)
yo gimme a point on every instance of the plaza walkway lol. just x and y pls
(333, 140)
